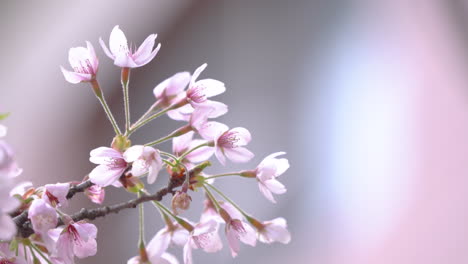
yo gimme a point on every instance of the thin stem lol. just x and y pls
(136, 126)
(125, 80)
(227, 199)
(223, 175)
(149, 111)
(141, 223)
(191, 150)
(212, 198)
(40, 253)
(168, 155)
(98, 92)
(152, 143)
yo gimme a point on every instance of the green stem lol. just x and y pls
(212, 198)
(141, 239)
(229, 200)
(125, 81)
(152, 143)
(136, 126)
(149, 111)
(223, 175)
(168, 155)
(98, 92)
(40, 253)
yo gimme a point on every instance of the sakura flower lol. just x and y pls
(121, 53)
(84, 63)
(7, 205)
(8, 166)
(267, 172)
(96, 194)
(43, 216)
(171, 90)
(144, 159)
(183, 143)
(199, 121)
(204, 235)
(111, 166)
(75, 239)
(10, 257)
(274, 231)
(56, 194)
(237, 229)
(229, 144)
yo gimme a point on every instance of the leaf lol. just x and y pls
(4, 116)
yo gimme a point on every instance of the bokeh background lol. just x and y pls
(368, 98)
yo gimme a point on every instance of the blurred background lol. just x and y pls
(368, 99)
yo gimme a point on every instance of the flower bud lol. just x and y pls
(181, 200)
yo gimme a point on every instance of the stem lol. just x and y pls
(141, 239)
(168, 155)
(149, 111)
(136, 126)
(98, 92)
(229, 200)
(125, 79)
(40, 253)
(223, 175)
(152, 143)
(195, 148)
(212, 198)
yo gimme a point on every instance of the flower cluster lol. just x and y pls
(56, 237)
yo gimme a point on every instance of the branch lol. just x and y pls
(25, 227)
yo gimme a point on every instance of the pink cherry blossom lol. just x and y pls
(267, 172)
(9, 257)
(229, 144)
(122, 54)
(111, 166)
(171, 90)
(205, 236)
(144, 159)
(8, 165)
(237, 229)
(274, 231)
(8, 204)
(96, 194)
(199, 91)
(84, 63)
(75, 239)
(165, 258)
(183, 143)
(56, 194)
(43, 216)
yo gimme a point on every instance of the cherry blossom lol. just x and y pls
(3, 131)
(183, 143)
(122, 54)
(144, 160)
(111, 166)
(165, 258)
(229, 144)
(43, 216)
(8, 165)
(9, 257)
(56, 194)
(267, 172)
(84, 64)
(237, 229)
(75, 239)
(204, 235)
(274, 231)
(171, 90)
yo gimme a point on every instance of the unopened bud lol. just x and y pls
(181, 200)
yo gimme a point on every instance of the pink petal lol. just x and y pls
(78, 55)
(101, 155)
(239, 154)
(43, 216)
(118, 41)
(181, 143)
(73, 77)
(220, 156)
(123, 60)
(93, 58)
(197, 73)
(154, 169)
(133, 153)
(233, 242)
(159, 244)
(232, 211)
(150, 57)
(180, 236)
(243, 135)
(145, 49)
(60, 191)
(178, 83)
(276, 230)
(85, 249)
(7, 227)
(86, 230)
(166, 258)
(211, 87)
(201, 154)
(106, 50)
(275, 186)
(182, 113)
(266, 192)
(212, 130)
(188, 252)
(218, 108)
(249, 237)
(104, 176)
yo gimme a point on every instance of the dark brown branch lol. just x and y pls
(25, 227)
(79, 188)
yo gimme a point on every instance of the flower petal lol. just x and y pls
(158, 244)
(178, 83)
(104, 176)
(238, 155)
(118, 42)
(133, 153)
(211, 87)
(73, 77)
(243, 135)
(150, 57)
(102, 155)
(266, 192)
(275, 186)
(145, 49)
(7, 227)
(106, 50)
(197, 73)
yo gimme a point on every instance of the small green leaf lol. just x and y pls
(4, 116)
